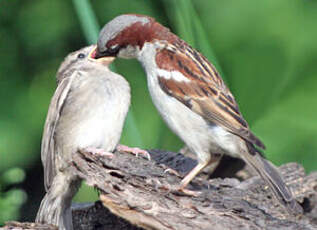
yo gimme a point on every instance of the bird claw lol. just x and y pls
(172, 171)
(178, 189)
(98, 151)
(135, 151)
(187, 192)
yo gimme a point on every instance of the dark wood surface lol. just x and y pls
(137, 192)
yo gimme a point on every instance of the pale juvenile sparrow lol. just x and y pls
(87, 112)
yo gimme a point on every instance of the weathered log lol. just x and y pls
(137, 190)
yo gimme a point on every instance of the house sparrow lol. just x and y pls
(87, 112)
(191, 97)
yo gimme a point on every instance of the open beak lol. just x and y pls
(99, 58)
(97, 54)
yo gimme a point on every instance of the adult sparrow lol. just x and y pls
(87, 112)
(191, 97)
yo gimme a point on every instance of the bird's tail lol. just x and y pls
(271, 175)
(55, 207)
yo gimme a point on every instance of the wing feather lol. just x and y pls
(48, 151)
(202, 90)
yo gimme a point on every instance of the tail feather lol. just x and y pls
(51, 211)
(55, 207)
(271, 175)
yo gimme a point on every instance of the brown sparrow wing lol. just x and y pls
(192, 80)
(48, 152)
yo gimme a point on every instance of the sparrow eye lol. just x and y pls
(81, 56)
(113, 50)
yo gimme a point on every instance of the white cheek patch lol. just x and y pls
(129, 52)
(174, 75)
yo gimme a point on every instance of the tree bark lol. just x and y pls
(137, 193)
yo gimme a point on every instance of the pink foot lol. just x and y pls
(135, 151)
(99, 152)
(179, 189)
(172, 171)
(189, 192)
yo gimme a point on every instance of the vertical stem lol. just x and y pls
(88, 20)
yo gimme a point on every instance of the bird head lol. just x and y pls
(81, 59)
(125, 35)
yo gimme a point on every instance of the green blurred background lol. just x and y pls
(265, 50)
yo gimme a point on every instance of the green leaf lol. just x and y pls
(13, 176)
(11, 202)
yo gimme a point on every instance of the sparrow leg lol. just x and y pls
(188, 178)
(100, 152)
(213, 163)
(214, 159)
(135, 151)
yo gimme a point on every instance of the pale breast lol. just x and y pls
(94, 114)
(201, 136)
